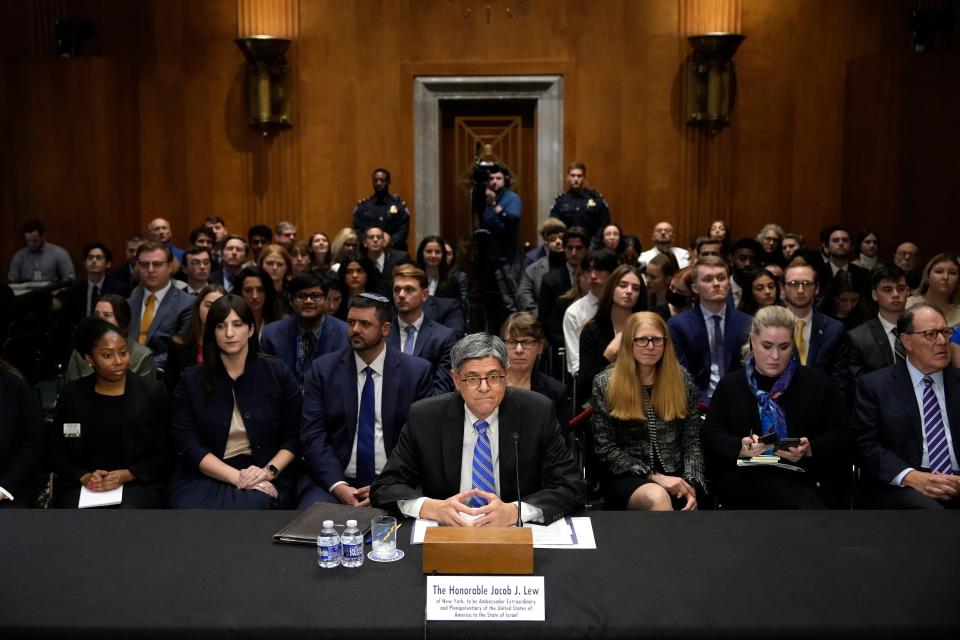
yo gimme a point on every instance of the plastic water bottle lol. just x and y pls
(351, 545)
(328, 546)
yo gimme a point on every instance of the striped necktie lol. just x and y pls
(482, 474)
(937, 449)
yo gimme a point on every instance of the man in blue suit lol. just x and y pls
(158, 310)
(354, 406)
(309, 332)
(448, 312)
(708, 337)
(821, 341)
(413, 333)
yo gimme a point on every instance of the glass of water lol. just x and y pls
(383, 530)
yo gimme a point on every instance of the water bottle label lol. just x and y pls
(353, 551)
(329, 553)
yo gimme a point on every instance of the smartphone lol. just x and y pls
(787, 443)
(770, 438)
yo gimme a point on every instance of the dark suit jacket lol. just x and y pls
(557, 392)
(268, 397)
(688, 331)
(447, 312)
(169, 319)
(280, 339)
(123, 275)
(427, 459)
(827, 350)
(891, 428)
(147, 448)
(392, 258)
(554, 284)
(869, 349)
(74, 298)
(593, 340)
(21, 439)
(330, 406)
(861, 278)
(433, 344)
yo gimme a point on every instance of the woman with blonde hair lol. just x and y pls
(775, 406)
(344, 244)
(646, 426)
(941, 286)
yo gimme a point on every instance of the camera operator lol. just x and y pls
(501, 219)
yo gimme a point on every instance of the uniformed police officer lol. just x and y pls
(385, 211)
(581, 206)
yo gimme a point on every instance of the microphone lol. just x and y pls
(516, 468)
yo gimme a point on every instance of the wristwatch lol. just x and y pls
(273, 471)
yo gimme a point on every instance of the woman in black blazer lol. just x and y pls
(774, 394)
(21, 440)
(235, 420)
(111, 429)
(523, 334)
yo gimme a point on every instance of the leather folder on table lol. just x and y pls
(305, 528)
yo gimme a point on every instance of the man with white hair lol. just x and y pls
(160, 231)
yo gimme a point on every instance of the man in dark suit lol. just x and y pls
(460, 453)
(309, 332)
(126, 273)
(838, 248)
(909, 420)
(383, 257)
(558, 281)
(448, 312)
(704, 352)
(874, 345)
(80, 298)
(232, 259)
(355, 403)
(820, 340)
(158, 309)
(413, 333)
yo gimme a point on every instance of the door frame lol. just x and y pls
(428, 91)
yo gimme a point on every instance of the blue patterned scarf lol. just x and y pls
(771, 415)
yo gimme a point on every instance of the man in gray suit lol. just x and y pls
(158, 309)
(874, 344)
(528, 293)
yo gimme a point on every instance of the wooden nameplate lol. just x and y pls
(487, 550)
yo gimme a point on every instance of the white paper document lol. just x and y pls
(100, 498)
(565, 533)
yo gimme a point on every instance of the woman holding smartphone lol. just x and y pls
(775, 406)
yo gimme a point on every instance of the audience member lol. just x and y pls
(334, 295)
(679, 295)
(763, 290)
(127, 273)
(300, 258)
(557, 281)
(285, 234)
(874, 344)
(719, 231)
(940, 286)
(844, 303)
(553, 257)
(383, 257)
(551, 234)
(611, 239)
(580, 205)
(258, 236)
(771, 241)
(355, 406)
(524, 338)
(203, 238)
(792, 242)
(632, 248)
(159, 231)
(663, 243)
(158, 310)
(257, 291)
(80, 298)
(196, 267)
(905, 257)
(867, 246)
(646, 426)
(358, 275)
(657, 275)
(707, 246)
(596, 268)
(708, 337)
(115, 310)
(744, 258)
(186, 348)
(345, 243)
(908, 421)
(383, 210)
(320, 252)
(276, 263)
(448, 312)
(837, 247)
(22, 447)
(233, 256)
(111, 429)
(499, 270)
(415, 334)
(463, 430)
(443, 280)
(39, 260)
(799, 407)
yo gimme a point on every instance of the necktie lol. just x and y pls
(936, 435)
(408, 345)
(482, 464)
(94, 297)
(147, 319)
(367, 419)
(716, 351)
(306, 345)
(801, 343)
(899, 353)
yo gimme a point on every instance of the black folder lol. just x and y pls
(305, 528)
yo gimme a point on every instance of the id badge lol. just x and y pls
(71, 429)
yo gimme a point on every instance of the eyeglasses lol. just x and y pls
(642, 341)
(493, 380)
(931, 334)
(154, 265)
(526, 343)
(796, 284)
(197, 263)
(303, 296)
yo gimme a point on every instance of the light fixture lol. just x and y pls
(268, 83)
(711, 81)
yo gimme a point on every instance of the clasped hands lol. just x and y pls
(451, 511)
(101, 480)
(352, 496)
(938, 486)
(257, 479)
(751, 446)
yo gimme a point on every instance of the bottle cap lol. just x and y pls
(328, 524)
(351, 523)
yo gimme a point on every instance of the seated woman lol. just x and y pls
(773, 394)
(657, 275)
(110, 429)
(764, 291)
(21, 440)
(115, 310)
(645, 423)
(523, 334)
(186, 349)
(254, 286)
(320, 252)
(679, 295)
(442, 281)
(344, 244)
(277, 264)
(235, 420)
(844, 302)
(357, 275)
(300, 258)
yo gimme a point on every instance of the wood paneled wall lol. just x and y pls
(154, 125)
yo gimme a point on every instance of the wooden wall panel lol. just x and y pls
(154, 124)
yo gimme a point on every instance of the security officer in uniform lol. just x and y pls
(383, 210)
(581, 206)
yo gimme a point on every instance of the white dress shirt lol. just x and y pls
(574, 318)
(402, 327)
(379, 450)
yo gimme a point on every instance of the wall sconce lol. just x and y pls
(711, 81)
(268, 83)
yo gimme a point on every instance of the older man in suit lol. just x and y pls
(708, 337)
(158, 310)
(355, 403)
(460, 453)
(874, 344)
(909, 420)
